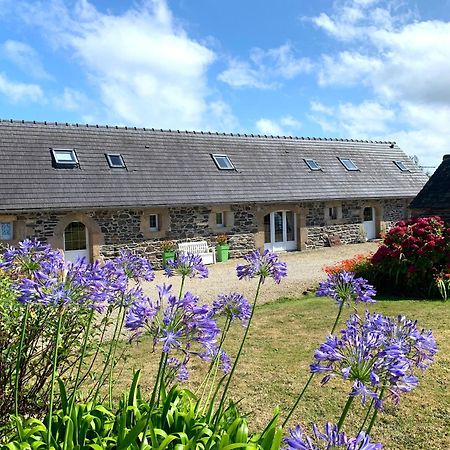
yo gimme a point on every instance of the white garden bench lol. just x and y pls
(199, 248)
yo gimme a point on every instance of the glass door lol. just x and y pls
(279, 231)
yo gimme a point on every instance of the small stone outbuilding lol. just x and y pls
(90, 190)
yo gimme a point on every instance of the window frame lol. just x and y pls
(222, 223)
(65, 163)
(401, 166)
(215, 157)
(111, 164)
(352, 167)
(312, 164)
(9, 237)
(156, 216)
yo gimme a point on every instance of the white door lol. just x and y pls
(369, 223)
(279, 231)
(76, 243)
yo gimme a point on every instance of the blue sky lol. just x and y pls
(361, 69)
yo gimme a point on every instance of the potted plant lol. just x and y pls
(222, 248)
(168, 249)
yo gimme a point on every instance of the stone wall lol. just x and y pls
(348, 234)
(349, 227)
(123, 228)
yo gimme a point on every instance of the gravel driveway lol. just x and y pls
(304, 271)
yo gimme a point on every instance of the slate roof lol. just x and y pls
(436, 192)
(176, 168)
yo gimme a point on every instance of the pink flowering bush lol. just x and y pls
(414, 255)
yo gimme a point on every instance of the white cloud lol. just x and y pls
(284, 126)
(145, 67)
(403, 62)
(240, 74)
(347, 69)
(71, 100)
(359, 121)
(25, 57)
(16, 91)
(266, 69)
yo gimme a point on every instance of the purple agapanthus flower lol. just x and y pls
(134, 266)
(263, 265)
(141, 311)
(176, 369)
(187, 265)
(233, 306)
(330, 438)
(41, 276)
(376, 353)
(345, 287)
(180, 326)
(30, 256)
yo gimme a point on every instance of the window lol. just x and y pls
(75, 237)
(223, 162)
(312, 164)
(220, 219)
(401, 166)
(6, 231)
(153, 222)
(333, 212)
(115, 160)
(64, 157)
(368, 214)
(348, 164)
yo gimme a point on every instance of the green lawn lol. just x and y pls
(275, 366)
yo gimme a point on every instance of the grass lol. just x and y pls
(275, 366)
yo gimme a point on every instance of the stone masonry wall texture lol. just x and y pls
(122, 228)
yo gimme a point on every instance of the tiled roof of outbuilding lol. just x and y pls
(436, 193)
(166, 167)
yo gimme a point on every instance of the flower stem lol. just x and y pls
(99, 383)
(80, 365)
(19, 359)
(345, 412)
(361, 428)
(181, 286)
(52, 385)
(375, 413)
(227, 385)
(298, 400)
(302, 393)
(156, 387)
(111, 369)
(341, 306)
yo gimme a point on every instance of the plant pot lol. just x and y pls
(222, 252)
(168, 256)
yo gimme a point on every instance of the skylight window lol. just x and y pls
(401, 166)
(348, 164)
(64, 157)
(312, 164)
(223, 162)
(115, 160)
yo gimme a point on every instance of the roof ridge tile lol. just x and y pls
(195, 132)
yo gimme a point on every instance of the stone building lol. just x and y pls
(90, 190)
(434, 198)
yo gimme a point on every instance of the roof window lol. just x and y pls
(115, 160)
(65, 157)
(222, 162)
(401, 166)
(312, 164)
(348, 164)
